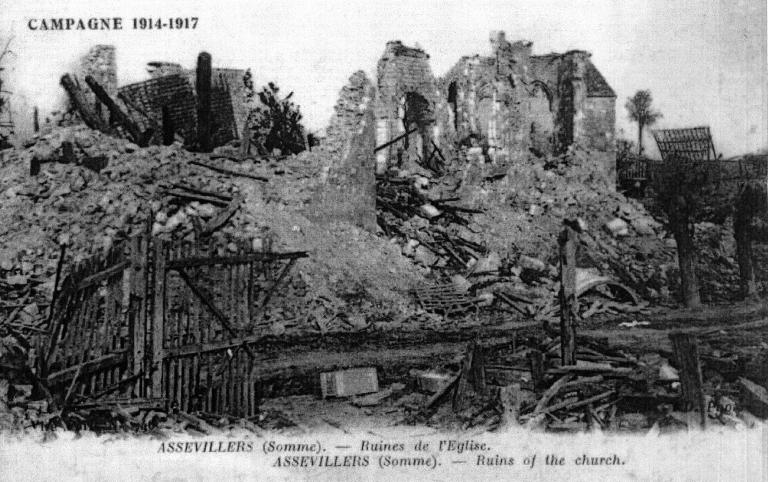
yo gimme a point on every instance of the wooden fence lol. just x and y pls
(165, 324)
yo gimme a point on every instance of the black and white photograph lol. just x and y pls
(357, 240)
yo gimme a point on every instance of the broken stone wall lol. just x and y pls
(175, 95)
(161, 69)
(407, 93)
(349, 193)
(498, 103)
(512, 102)
(99, 63)
(348, 113)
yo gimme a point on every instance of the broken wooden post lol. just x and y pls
(116, 112)
(203, 88)
(169, 129)
(472, 374)
(245, 141)
(755, 397)
(36, 120)
(158, 319)
(91, 119)
(34, 166)
(569, 306)
(68, 153)
(686, 351)
(138, 303)
(536, 359)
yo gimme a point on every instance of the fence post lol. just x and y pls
(158, 318)
(138, 308)
(569, 307)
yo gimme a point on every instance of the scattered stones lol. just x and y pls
(617, 227)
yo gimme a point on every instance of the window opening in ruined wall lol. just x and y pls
(415, 112)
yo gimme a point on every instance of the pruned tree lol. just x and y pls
(640, 109)
(684, 190)
(274, 121)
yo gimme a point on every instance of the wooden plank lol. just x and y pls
(91, 119)
(204, 114)
(197, 261)
(88, 367)
(202, 192)
(223, 216)
(686, 350)
(396, 139)
(228, 171)
(191, 196)
(117, 113)
(158, 317)
(755, 397)
(211, 307)
(569, 307)
(104, 274)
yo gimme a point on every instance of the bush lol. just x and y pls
(275, 122)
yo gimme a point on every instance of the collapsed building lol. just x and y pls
(495, 109)
(506, 104)
(167, 102)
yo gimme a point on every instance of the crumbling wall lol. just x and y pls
(99, 63)
(174, 94)
(348, 113)
(161, 69)
(405, 83)
(513, 102)
(349, 193)
(498, 104)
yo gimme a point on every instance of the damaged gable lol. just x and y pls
(597, 86)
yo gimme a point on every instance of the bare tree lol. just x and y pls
(641, 110)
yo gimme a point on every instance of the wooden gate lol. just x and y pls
(90, 350)
(165, 323)
(211, 299)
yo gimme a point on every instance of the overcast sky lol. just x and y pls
(703, 60)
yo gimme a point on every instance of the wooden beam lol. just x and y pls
(158, 319)
(212, 307)
(229, 171)
(755, 397)
(90, 118)
(569, 305)
(191, 196)
(223, 216)
(275, 284)
(117, 113)
(396, 139)
(203, 89)
(102, 275)
(196, 261)
(86, 368)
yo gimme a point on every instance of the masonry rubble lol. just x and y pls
(397, 240)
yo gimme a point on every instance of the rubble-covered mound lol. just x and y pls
(348, 271)
(514, 213)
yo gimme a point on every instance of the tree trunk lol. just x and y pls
(742, 232)
(686, 252)
(640, 127)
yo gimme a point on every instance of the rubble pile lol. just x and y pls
(168, 189)
(607, 389)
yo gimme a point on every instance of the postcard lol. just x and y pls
(354, 240)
